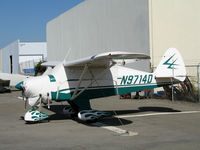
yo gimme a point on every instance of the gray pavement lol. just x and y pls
(155, 132)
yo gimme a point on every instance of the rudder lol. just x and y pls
(171, 66)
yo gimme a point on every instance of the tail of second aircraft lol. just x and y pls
(171, 66)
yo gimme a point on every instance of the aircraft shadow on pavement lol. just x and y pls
(143, 109)
(55, 108)
(111, 121)
(60, 116)
(107, 121)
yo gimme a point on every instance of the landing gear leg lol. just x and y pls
(35, 114)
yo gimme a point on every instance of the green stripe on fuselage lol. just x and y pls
(18, 86)
(126, 89)
(61, 96)
(103, 91)
(52, 78)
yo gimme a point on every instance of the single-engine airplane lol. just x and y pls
(79, 81)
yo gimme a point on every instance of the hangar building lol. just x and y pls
(21, 57)
(96, 26)
(175, 23)
(0, 61)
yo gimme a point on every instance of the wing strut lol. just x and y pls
(93, 76)
(76, 93)
(80, 80)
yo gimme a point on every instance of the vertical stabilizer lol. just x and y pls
(171, 66)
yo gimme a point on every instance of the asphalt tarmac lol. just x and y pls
(146, 124)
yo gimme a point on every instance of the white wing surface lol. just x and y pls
(102, 60)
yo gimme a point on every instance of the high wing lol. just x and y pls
(102, 60)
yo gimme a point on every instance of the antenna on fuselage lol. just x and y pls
(67, 55)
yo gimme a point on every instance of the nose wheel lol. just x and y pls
(32, 116)
(35, 115)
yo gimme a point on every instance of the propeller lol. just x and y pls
(23, 95)
(48, 100)
(26, 102)
(25, 99)
(40, 102)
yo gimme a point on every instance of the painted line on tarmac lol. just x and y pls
(119, 131)
(157, 114)
(123, 132)
(19, 97)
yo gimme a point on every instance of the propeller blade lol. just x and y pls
(26, 101)
(23, 95)
(40, 104)
(48, 100)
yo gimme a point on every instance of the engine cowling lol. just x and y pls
(91, 115)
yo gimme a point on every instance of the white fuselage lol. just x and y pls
(62, 82)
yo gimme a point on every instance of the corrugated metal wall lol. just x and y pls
(10, 50)
(0, 61)
(22, 52)
(96, 26)
(175, 23)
